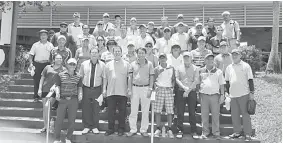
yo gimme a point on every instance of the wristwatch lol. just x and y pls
(150, 88)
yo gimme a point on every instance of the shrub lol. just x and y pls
(253, 56)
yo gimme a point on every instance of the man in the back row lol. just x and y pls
(76, 28)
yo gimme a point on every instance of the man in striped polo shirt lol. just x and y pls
(200, 52)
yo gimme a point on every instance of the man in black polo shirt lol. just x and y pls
(193, 38)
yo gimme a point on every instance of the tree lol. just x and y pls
(274, 64)
(6, 5)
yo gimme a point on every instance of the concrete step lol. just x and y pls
(37, 113)
(27, 135)
(24, 82)
(16, 95)
(37, 123)
(26, 76)
(20, 88)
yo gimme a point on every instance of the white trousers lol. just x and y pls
(139, 94)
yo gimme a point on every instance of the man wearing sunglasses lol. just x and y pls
(75, 28)
(193, 30)
(143, 38)
(86, 34)
(98, 31)
(216, 40)
(70, 43)
(107, 24)
(193, 40)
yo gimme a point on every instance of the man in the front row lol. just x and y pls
(211, 93)
(239, 81)
(187, 77)
(118, 84)
(143, 76)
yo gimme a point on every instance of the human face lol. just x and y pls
(224, 49)
(131, 49)
(143, 30)
(76, 19)
(118, 20)
(85, 30)
(164, 22)
(94, 54)
(61, 42)
(85, 43)
(210, 23)
(167, 34)
(133, 23)
(236, 57)
(176, 51)
(187, 60)
(148, 48)
(124, 30)
(180, 29)
(111, 32)
(58, 60)
(201, 44)
(150, 26)
(199, 29)
(219, 30)
(106, 19)
(196, 20)
(141, 54)
(226, 17)
(100, 26)
(43, 36)
(71, 66)
(209, 61)
(63, 28)
(180, 19)
(117, 52)
(100, 41)
(162, 60)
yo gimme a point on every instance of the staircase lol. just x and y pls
(21, 120)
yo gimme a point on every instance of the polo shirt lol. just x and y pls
(69, 39)
(142, 73)
(194, 40)
(230, 28)
(133, 33)
(49, 74)
(75, 30)
(193, 31)
(165, 77)
(198, 56)
(123, 43)
(163, 45)
(215, 43)
(189, 77)
(68, 84)
(40, 51)
(238, 76)
(86, 72)
(140, 42)
(153, 59)
(107, 56)
(97, 33)
(175, 62)
(130, 58)
(210, 80)
(66, 54)
(181, 39)
(116, 74)
(222, 61)
(92, 40)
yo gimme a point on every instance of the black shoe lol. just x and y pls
(43, 130)
(108, 133)
(36, 100)
(120, 133)
(235, 135)
(179, 135)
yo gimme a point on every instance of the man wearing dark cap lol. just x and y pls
(181, 38)
(75, 28)
(180, 18)
(223, 59)
(92, 40)
(194, 36)
(50, 34)
(211, 93)
(187, 77)
(117, 25)
(163, 45)
(164, 23)
(151, 31)
(39, 58)
(71, 44)
(200, 52)
(143, 38)
(98, 31)
(133, 31)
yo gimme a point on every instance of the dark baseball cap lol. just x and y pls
(63, 23)
(43, 31)
(162, 55)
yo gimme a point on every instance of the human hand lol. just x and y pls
(104, 93)
(80, 97)
(251, 96)
(129, 94)
(221, 99)
(149, 93)
(39, 92)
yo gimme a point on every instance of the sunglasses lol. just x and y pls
(63, 26)
(148, 46)
(106, 17)
(99, 24)
(100, 40)
(72, 64)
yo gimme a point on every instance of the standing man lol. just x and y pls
(164, 23)
(163, 45)
(62, 50)
(106, 23)
(143, 76)
(117, 86)
(240, 85)
(151, 31)
(143, 38)
(75, 28)
(92, 78)
(92, 40)
(98, 31)
(181, 38)
(216, 40)
(180, 18)
(71, 44)
(39, 58)
(194, 37)
(131, 55)
(133, 31)
(123, 39)
(223, 59)
(211, 92)
(231, 31)
(187, 77)
(117, 25)
(200, 52)
(193, 30)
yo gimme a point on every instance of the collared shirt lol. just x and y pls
(198, 56)
(140, 42)
(189, 77)
(97, 33)
(181, 39)
(66, 54)
(194, 40)
(222, 61)
(49, 74)
(130, 58)
(92, 40)
(70, 41)
(238, 76)
(175, 62)
(40, 51)
(75, 30)
(117, 30)
(86, 71)
(142, 73)
(116, 74)
(163, 45)
(165, 77)
(230, 28)
(215, 43)
(68, 84)
(123, 43)
(107, 56)
(210, 80)
(193, 31)
(133, 33)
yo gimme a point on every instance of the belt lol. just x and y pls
(44, 61)
(67, 97)
(140, 85)
(210, 94)
(91, 87)
(166, 87)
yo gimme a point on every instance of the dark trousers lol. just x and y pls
(191, 100)
(90, 107)
(116, 102)
(37, 75)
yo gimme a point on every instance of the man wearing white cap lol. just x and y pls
(180, 18)
(194, 38)
(143, 38)
(151, 31)
(231, 30)
(62, 50)
(92, 40)
(133, 30)
(193, 30)
(181, 38)
(163, 45)
(164, 23)
(107, 24)
(98, 31)
(75, 28)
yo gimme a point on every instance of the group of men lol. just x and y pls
(178, 63)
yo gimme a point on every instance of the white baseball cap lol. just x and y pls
(72, 60)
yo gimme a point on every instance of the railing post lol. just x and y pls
(163, 11)
(88, 11)
(125, 16)
(202, 15)
(51, 16)
(245, 15)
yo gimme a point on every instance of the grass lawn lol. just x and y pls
(268, 118)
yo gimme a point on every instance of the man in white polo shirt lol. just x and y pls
(133, 30)
(181, 38)
(180, 18)
(239, 83)
(107, 24)
(39, 58)
(163, 45)
(75, 28)
(143, 38)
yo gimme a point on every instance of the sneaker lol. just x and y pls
(43, 130)
(67, 140)
(144, 134)
(248, 138)
(36, 100)
(203, 137)
(170, 134)
(235, 135)
(130, 134)
(157, 133)
(56, 141)
(179, 135)
(85, 131)
(195, 136)
(95, 131)
(217, 137)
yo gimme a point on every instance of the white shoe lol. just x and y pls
(68, 141)
(95, 131)
(157, 133)
(170, 134)
(85, 131)
(56, 141)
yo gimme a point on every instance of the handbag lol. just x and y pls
(251, 106)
